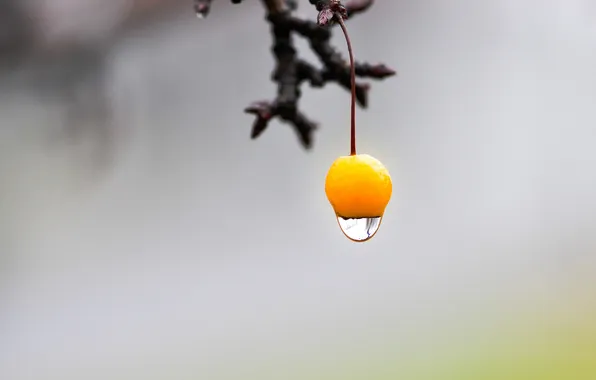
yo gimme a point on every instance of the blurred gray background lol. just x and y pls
(144, 235)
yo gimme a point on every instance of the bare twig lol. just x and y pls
(290, 71)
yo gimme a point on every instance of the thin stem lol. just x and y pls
(353, 80)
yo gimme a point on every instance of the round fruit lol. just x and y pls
(358, 186)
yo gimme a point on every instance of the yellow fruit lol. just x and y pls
(358, 186)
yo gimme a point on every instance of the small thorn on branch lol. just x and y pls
(265, 111)
(379, 71)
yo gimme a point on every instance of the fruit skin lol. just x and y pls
(358, 186)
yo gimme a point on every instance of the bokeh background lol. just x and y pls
(143, 235)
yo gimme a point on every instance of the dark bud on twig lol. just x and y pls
(379, 71)
(202, 8)
(328, 10)
(265, 111)
(350, 9)
(262, 110)
(325, 17)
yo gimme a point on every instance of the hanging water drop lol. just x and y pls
(359, 229)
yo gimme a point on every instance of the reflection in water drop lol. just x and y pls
(359, 229)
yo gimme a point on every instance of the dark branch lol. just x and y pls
(290, 71)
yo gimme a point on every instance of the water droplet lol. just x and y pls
(359, 229)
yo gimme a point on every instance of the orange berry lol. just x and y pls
(358, 186)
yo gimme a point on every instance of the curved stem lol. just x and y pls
(353, 80)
